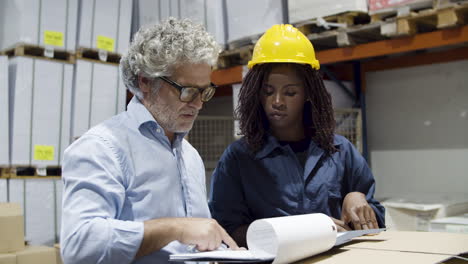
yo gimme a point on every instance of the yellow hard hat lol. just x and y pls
(284, 43)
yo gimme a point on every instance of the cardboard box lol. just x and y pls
(302, 10)
(36, 255)
(7, 259)
(57, 254)
(261, 15)
(105, 24)
(11, 227)
(454, 224)
(404, 215)
(396, 247)
(40, 94)
(99, 95)
(4, 113)
(45, 23)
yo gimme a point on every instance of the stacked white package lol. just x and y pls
(40, 200)
(302, 10)
(392, 6)
(50, 23)
(261, 15)
(40, 97)
(105, 25)
(417, 214)
(99, 94)
(454, 224)
(4, 112)
(209, 13)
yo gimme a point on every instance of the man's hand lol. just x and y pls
(205, 233)
(357, 211)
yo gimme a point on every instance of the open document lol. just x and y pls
(282, 240)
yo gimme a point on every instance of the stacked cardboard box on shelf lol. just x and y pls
(4, 119)
(105, 25)
(302, 10)
(383, 6)
(209, 13)
(12, 246)
(262, 14)
(99, 94)
(40, 96)
(43, 23)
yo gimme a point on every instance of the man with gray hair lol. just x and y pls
(134, 188)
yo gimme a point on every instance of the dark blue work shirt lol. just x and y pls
(272, 182)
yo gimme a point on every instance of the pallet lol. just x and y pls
(40, 52)
(5, 172)
(244, 42)
(234, 57)
(29, 172)
(426, 20)
(346, 37)
(98, 55)
(345, 20)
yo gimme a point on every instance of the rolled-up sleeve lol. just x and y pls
(362, 180)
(93, 198)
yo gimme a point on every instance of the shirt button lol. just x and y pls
(158, 130)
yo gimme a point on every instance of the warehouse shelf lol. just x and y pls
(425, 41)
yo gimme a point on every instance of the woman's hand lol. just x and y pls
(357, 211)
(340, 225)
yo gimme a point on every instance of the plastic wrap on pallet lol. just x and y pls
(41, 203)
(206, 12)
(3, 191)
(99, 94)
(302, 10)
(261, 15)
(40, 212)
(215, 20)
(377, 6)
(58, 207)
(4, 112)
(105, 24)
(44, 23)
(40, 94)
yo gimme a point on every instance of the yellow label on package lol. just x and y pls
(53, 38)
(105, 43)
(42, 152)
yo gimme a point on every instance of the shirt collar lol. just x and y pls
(140, 113)
(272, 143)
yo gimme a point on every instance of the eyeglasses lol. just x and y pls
(188, 93)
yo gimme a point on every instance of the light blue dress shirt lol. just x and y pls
(120, 173)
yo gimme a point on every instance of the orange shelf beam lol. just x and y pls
(227, 76)
(444, 37)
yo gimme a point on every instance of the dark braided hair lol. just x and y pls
(319, 121)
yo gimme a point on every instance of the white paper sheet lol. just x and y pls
(283, 240)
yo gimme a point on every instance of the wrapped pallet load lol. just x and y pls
(303, 10)
(50, 23)
(41, 109)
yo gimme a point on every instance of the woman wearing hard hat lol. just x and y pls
(290, 161)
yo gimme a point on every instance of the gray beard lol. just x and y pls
(166, 117)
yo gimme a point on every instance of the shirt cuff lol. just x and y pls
(125, 239)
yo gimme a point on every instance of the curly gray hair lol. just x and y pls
(157, 49)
